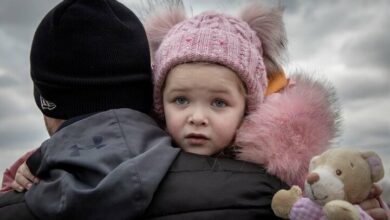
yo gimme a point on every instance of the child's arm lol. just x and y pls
(18, 176)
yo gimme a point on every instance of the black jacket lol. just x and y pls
(106, 166)
(195, 187)
(200, 187)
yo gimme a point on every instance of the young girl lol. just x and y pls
(212, 73)
(217, 73)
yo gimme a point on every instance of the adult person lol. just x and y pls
(90, 66)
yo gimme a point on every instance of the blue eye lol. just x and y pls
(219, 103)
(181, 100)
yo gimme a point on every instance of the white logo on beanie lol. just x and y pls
(47, 104)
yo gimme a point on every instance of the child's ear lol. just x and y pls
(268, 24)
(160, 22)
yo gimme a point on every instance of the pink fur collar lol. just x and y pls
(289, 128)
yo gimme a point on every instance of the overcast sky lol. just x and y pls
(345, 41)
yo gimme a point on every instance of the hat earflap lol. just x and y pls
(160, 23)
(268, 24)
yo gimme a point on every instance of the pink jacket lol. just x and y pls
(290, 127)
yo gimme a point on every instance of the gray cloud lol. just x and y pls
(24, 13)
(312, 23)
(371, 49)
(366, 84)
(6, 80)
(25, 131)
(14, 103)
(14, 47)
(367, 124)
(386, 189)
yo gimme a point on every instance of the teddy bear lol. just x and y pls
(337, 180)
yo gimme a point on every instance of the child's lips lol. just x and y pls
(196, 139)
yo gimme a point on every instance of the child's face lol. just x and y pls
(204, 105)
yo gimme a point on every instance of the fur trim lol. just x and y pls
(289, 128)
(160, 21)
(269, 27)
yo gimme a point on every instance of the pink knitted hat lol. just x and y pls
(209, 37)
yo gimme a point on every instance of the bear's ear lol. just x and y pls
(375, 162)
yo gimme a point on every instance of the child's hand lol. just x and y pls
(23, 179)
(372, 205)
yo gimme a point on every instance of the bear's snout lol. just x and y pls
(312, 178)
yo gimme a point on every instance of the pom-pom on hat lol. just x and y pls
(89, 56)
(215, 38)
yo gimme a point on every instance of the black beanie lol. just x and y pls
(89, 56)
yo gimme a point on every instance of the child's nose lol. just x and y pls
(198, 118)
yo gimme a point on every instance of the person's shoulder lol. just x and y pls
(193, 164)
(125, 114)
(188, 162)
